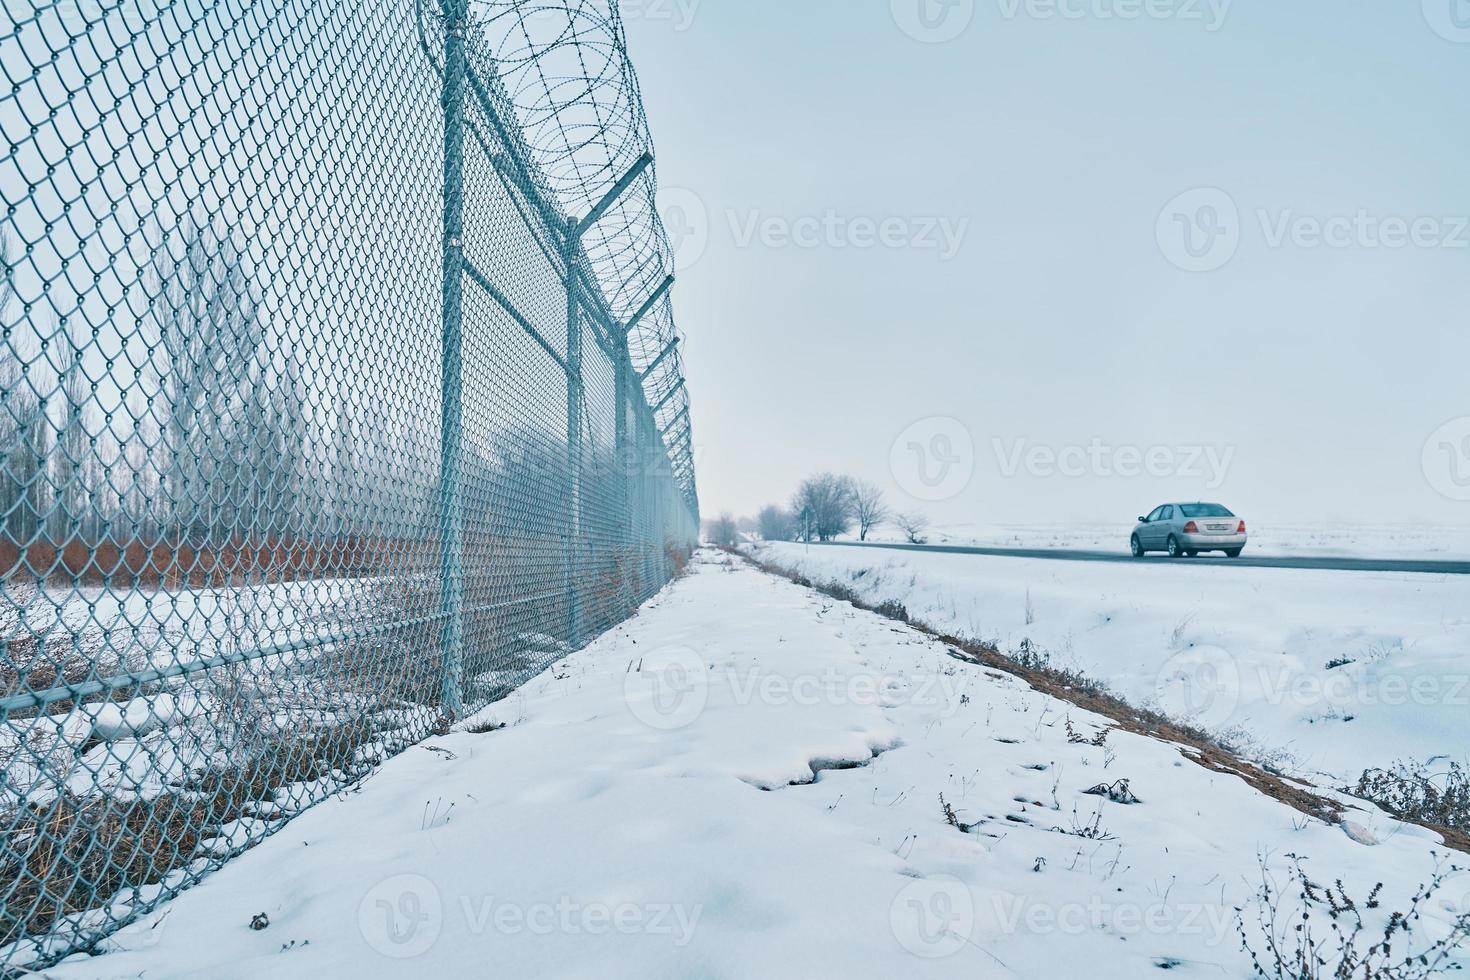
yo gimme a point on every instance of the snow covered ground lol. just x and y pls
(1388, 541)
(745, 780)
(1319, 671)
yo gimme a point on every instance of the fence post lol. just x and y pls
(451, 454)
(574, 438)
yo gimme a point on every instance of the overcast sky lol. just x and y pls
(1049, 262)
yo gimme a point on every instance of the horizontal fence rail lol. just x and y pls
(340, 394)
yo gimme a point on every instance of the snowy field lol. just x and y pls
(745, 780)
(1388, 541)
(1317, 672)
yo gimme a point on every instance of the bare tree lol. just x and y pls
(722, 532)
(72, 466)
(205, 313)
(775, 524)
(824, 507)
(913, 525)
(869, 507)
(24, 428)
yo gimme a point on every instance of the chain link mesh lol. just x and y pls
(341, 395)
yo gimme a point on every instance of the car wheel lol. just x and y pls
(1232, 552)
(1174, 551)
(1136, 546)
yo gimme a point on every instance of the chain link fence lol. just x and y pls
(339, 395)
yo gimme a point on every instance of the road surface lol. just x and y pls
(1244, 561)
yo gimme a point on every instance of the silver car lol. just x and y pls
(1187, 529)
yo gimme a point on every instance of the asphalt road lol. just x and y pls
(1244, 561)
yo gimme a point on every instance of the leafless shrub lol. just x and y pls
(1088, 830)
(914, 526)
(1359, 942)
(775, 524)
(1117, 791)
(722, 531)
(1411, 792)
(1077, 738)
(892, 609)
(952, 818)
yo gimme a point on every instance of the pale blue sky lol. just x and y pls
(1061, 321)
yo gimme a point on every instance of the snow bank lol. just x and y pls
(745, 781)
(1324, 672)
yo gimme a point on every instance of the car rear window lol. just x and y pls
(1204, 510)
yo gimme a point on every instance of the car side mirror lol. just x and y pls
(1143, 520)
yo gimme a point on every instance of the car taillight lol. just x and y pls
(1191, 528)
(1241, 529)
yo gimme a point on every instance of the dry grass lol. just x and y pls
(74, 853)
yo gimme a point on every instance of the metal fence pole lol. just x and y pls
(574, 438)
(451, 454)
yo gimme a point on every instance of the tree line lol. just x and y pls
(824, 507)
(221, 436)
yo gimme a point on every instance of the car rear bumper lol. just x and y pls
(1212, 542)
